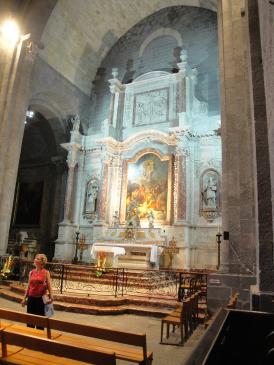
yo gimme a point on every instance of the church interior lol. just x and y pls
(136, 141)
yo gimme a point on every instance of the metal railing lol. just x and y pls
(87, 280)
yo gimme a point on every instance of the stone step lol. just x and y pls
(96, 306)
(145, 284)
(104, 299)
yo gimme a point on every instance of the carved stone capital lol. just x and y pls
(116, 86)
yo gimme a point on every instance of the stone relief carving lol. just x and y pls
(210, 195)
(128, 111)
(151, 107)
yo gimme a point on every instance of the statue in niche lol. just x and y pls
(91, 196)
(115, 219)
(75, 120)
(209, 193)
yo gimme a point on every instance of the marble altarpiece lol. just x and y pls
(152, 175)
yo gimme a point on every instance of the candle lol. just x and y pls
(78, 228)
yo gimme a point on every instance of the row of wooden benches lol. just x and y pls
(97, 345)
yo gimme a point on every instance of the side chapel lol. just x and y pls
(156, 162)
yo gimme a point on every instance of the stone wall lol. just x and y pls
(57, 98)
(80, 33)
(154, 44)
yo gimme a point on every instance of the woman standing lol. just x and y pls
(38, 285)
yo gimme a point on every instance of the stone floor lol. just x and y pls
(163, 354)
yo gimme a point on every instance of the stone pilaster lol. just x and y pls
(181, 86)
(16, 63)
(238, 216)
(263, 292)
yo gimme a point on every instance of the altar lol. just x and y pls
(129, 255)
(143, 251)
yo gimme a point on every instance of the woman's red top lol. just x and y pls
(37, 283)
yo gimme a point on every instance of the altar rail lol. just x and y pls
(117, 282)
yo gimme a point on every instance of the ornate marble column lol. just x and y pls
(179, 188)
(72, 159)
(65, 244)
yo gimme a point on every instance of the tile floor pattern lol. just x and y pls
(163, 354)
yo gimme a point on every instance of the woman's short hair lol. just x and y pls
(43, 258)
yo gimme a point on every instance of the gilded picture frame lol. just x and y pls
(147, 186)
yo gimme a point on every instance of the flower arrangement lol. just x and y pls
(6, 270)
(101, 264)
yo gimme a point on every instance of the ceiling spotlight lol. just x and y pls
(10, 31)
(30, 113)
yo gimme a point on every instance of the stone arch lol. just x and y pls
(57, 118)
(160, 33)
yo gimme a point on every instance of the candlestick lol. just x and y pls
(75, 260)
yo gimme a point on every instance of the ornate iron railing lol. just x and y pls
(86, 280)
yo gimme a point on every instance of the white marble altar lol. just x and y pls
(108, 249)
(129, 254)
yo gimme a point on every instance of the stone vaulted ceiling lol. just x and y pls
(79, 33)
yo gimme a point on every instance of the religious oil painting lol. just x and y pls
(147, 188)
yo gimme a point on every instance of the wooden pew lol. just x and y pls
(33, 350)
(26, 318)
(127, 346)
(132, 347)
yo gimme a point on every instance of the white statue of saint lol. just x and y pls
(75, 120)
(115, 222)
(209, 193)
(91, 196)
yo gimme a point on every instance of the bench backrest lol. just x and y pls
(103, 333)
(26, 318)
(134, 339)
(55, 348)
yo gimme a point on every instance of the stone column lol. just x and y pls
(238, 215)
(71, 162)
(68, 199)
(16, 63)
(238, 254)
(263, 293)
